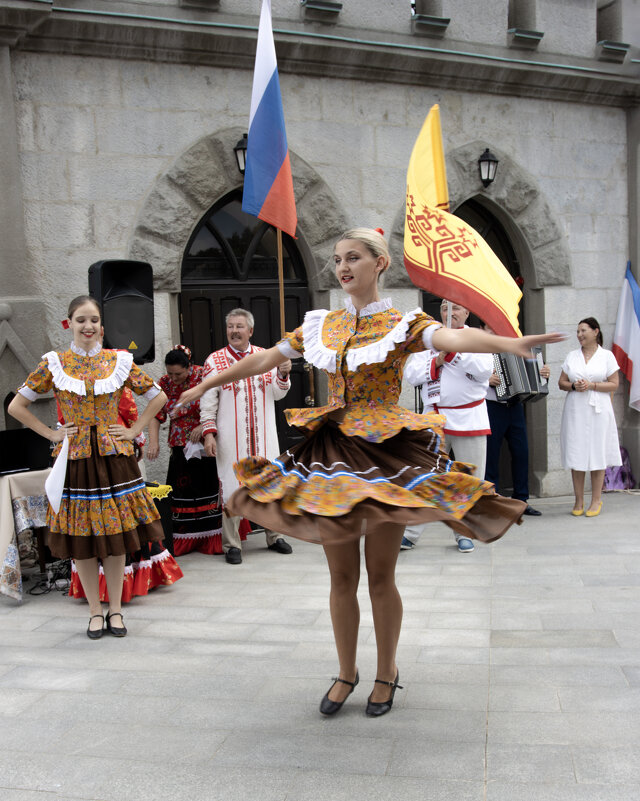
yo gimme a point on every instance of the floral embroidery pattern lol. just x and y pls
(368, 393)
(187, 417)
(90, 408)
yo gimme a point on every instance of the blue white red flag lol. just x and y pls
(268, 184)
(626, 340)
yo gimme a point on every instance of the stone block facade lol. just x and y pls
(120, 137)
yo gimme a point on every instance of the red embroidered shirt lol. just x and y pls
(187, 417)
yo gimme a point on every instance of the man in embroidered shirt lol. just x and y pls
(238, 420)
(455, 386)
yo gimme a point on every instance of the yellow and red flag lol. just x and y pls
(445, 255)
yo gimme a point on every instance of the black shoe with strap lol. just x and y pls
(329, 707)
(377, 708)
(117, 631)
(95, 634)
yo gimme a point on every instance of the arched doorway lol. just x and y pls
(230, 261)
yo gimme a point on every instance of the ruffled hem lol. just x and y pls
(103, 517)
(188, 543)
(139, 577)
(333, 488)
(209, 544)
(486, 521)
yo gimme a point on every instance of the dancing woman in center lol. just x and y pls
(368, 466)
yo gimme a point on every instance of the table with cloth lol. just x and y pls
(23, 505)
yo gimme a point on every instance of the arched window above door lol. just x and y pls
(230, 245)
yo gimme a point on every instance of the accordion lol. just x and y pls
(520, 378)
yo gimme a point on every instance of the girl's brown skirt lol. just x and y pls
(105, 510)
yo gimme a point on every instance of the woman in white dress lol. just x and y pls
(588, 433)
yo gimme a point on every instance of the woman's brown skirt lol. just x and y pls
(332, 488)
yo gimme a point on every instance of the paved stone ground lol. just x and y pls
(521, 666)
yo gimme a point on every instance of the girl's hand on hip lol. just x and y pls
(122, 433)
(67, 430)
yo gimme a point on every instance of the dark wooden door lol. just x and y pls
(202, 323)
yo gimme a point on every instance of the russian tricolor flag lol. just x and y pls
(268, 185)
(626, 340)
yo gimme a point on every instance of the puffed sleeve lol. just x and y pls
(417, 370)
(292, 344)
(142, 384)
(420, 332)
(38, 382)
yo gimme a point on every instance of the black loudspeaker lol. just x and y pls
(124, 290)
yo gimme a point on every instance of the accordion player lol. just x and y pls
(520, 379)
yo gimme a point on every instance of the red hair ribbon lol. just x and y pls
(380, 231)
(65, 324)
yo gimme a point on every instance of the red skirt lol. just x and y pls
(151, 568)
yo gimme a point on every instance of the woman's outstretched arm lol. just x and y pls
(256, 364)
(475, 340)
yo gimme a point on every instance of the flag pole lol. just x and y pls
(281, 281)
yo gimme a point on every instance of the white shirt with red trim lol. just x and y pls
(456, 390)
(241, 415)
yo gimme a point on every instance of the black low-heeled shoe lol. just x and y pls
(95, 634)
(377, 708)
(329, 707)
(117, 631)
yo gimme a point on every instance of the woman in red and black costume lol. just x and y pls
(196, 513)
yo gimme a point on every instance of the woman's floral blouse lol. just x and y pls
(363, 355)
(88, 387)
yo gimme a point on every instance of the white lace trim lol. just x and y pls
(153, 392)
(104, 386)
(315, 351)
(28, 393)
(62, 381)
(286, 350)
(377, 352)
(427, 335)
(372, 308)
(95, 350)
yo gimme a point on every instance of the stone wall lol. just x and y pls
(120, 157)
